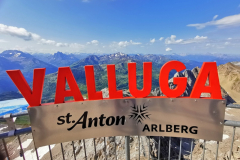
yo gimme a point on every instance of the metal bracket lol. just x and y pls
(11, 125)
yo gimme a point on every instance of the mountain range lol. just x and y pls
(14, 59)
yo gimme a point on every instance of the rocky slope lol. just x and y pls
(229, 75)
(191, 78)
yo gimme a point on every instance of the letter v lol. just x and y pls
(34, 96)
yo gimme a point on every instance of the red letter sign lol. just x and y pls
(65, 75)
(147, 80)
(181, 82)
(34, 96)
(113, 93)
(90, 82)
(208, 70)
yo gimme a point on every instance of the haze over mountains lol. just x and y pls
(14, 59)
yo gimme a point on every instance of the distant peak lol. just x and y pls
(118, 54)
(58, 53)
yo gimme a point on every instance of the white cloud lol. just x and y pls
(152, 40)
(161, 38)
(227, 43)
(18, 32)
(2, 41)
(28, 36)
(44, 41)
(229, 38)
(85, 0)
(229, 21)
(215, 17)
(123, 43)
(134, 43)
(172, 40)
(93, 42)
(168, 49)
(76, 45)
(62, 44)
(126, 43)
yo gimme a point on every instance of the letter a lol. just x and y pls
(65, 75)
(208, 70)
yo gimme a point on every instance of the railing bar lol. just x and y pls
(230, 154)
(232, 123)
(50, 152)
(169, 150)
(105, 150)
(115, 147)
(159, 147)
(21, 149)
(24, 113)
(237, 106)
(127, 148)
(85, 149)
(149, 152)
(5, 147)
(17, 132)
(62, 151)
(191, 149)
(180, 150)
(139, 147)
(95, 150)
(73, 150)
(204, 143)
(36, 153)
(217, 150)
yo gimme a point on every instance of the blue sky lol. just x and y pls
(129, 26)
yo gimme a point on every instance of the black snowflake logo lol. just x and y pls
(139, 113)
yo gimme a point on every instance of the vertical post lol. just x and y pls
(203, 149)
(127, 148)
(191, 149)
(115, 148)
(5, 147)
(85, 152)
(149, 149)
(50, 152)
(159, 147)
(180, 150)
(217, 150)
(37, 153)
(62, 151)
(230, 154)
(139, 147)
(105, 146)
(21, 148)
(73, 150)
(169, 150)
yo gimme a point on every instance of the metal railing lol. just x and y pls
(17, 132)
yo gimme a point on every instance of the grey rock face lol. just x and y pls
(191, 76)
